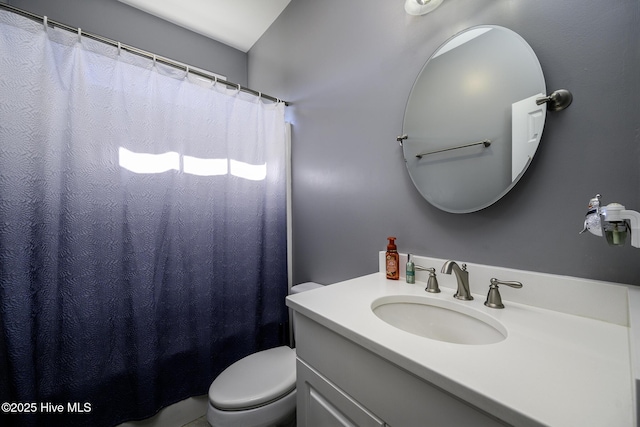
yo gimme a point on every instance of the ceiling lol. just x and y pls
(237, 23)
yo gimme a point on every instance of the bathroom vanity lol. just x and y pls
(563, 356)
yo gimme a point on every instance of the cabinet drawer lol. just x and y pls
(320, 403)
(395, 395)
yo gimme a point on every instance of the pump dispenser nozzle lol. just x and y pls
(392, 244)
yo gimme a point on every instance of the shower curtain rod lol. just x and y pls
(144, 53)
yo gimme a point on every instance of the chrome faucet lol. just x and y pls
(462, 275)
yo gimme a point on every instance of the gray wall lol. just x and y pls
(123, 23)
(348, 67)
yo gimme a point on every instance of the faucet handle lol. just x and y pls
(493, 297)
(432, 284)
(513, 284)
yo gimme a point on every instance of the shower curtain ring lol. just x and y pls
(45, 22)
(155, 58)
(119, 48)
(79, 35)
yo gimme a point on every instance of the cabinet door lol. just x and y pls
(396, 396)
(320, 403)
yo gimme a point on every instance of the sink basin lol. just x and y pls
(439, 319)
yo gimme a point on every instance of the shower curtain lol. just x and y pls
(142, 229)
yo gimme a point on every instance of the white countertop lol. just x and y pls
(554, 368)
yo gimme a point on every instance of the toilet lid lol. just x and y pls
(255, 380)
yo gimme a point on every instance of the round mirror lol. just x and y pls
(472, 124)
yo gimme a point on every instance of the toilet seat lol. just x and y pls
(281, 412)
(255, 380)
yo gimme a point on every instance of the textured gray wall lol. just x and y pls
(123, 23)
(348, 67)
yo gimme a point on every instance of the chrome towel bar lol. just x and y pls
(484, 142)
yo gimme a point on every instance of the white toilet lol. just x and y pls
(259, 390)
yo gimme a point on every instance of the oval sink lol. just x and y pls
(439, 319)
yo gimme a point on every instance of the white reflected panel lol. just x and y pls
(461, 39)
(205, 167)
(248, 171)
(148, 163)
(527, 121)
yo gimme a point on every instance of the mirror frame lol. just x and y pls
(452, 177)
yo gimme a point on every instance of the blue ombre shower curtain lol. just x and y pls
(142, 230)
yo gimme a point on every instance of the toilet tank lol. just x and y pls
(302, 287)
(307, 286)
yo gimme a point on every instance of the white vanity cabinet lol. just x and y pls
(340, 383)
(355, 368)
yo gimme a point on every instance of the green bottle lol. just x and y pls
(411, 270)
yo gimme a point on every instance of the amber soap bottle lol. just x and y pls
(392, 260)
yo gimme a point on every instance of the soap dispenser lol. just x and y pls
(392, 260)
(411, 270)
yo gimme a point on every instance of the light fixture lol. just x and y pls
(421, 7)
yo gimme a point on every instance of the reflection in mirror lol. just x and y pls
(472, 121)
